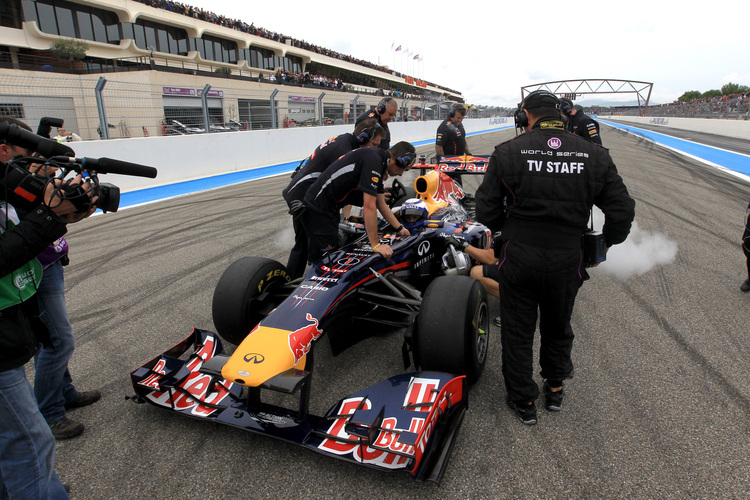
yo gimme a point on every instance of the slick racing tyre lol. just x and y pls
(452, 331)
(247, 291)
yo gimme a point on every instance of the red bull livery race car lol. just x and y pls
(407, 422)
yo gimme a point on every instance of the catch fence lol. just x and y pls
(135, 105)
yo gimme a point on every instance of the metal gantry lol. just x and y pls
(573, 88)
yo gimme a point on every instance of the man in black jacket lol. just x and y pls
(550, 180)
(580, 123)
(27, 446)
(367, 133)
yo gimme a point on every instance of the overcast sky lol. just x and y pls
(489, 50)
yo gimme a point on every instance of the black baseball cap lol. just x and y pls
(541, 99)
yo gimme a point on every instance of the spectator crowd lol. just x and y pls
(251, 29)
(736, 106)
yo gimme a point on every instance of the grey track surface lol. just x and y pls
(659, 406)
(718, 141)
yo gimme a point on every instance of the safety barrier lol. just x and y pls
(187, 157)
(728, 128)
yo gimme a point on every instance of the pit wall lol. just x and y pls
(187, 157)
(728, 128)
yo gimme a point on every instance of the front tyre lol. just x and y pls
(245, 294)
(453, 327)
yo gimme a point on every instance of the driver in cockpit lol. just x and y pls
(412, 214)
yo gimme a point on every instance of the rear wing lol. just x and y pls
(466, 164)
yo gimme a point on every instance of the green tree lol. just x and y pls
(689, 96)
(734, 88)
(711, 93)
(68, 48)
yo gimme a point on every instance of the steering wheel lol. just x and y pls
(398, 191)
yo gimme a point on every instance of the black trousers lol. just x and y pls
(297, 262)
(322, 233)
(544, 281)
(746, 243)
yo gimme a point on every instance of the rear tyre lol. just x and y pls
(245, 294)
(452, 333)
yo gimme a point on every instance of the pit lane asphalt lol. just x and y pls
(659, 406)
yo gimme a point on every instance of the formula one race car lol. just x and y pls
(407, 422)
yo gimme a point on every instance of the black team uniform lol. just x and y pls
(451, 137)
(583, 125)
(551, 179)
(745, 286)
(322, 157)
(343, 183)
(385, 142)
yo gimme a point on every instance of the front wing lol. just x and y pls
(407, 422)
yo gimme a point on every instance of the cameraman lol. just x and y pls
(53, 385)
(551, 179)
(27, 446)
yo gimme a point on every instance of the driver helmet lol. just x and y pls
(413, 213)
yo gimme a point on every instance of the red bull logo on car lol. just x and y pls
(386, 451)
(301, 340)
(194, 389)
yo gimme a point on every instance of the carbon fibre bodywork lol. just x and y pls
(408, 422)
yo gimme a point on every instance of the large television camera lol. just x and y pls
(25, 190)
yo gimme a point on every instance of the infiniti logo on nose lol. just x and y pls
(254, 358)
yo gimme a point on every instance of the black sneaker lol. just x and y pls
(497, 322)
(66, 428)
(553, 400)
(745, 286)
(84, 399)
(526, 412)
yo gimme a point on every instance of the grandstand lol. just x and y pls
(148, 61)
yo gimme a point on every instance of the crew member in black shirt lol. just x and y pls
(354, 179)
(580, 123)
(451, 136)
(367, 133)
(384, 112)
(549, 179)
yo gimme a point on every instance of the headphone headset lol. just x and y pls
(566, 108)
(367, 134)
(522, 121)
(404, 160)
(456, 107)
(383, 104)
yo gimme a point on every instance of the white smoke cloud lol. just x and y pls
(641, 252)
(285, 238)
